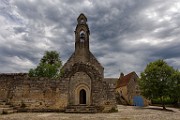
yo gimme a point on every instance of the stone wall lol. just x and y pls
(131, 89)
(43, 94)
(40, 94)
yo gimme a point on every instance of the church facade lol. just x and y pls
(82, 87)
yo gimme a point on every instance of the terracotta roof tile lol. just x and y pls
(124, 80)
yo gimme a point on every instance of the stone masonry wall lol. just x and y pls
(43, 94)
(131, 89)
(34, 94)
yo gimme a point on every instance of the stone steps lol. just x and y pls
(81, 109)
(6, 108)
(1, 111)
(107, 108)
(2, 103)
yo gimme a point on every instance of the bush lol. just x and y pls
(167, 101)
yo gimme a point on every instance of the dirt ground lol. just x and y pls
(124, 113)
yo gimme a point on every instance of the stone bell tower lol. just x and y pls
(82, 33)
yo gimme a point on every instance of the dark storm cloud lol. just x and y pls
(169, 51)
(125, 34)
(19, 29)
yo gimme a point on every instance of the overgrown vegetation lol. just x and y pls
(160, 81)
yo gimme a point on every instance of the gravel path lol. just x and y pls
(124, 113)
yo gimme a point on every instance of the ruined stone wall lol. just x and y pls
(103, 94)
(7, 84)
(39, 94)
(43, 94)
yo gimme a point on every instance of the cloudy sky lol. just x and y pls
(125, 34)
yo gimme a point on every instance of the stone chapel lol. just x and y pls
(82, 88)
(84, 73)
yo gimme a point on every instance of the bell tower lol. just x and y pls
(82, 33)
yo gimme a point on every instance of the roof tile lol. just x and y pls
(124, 80)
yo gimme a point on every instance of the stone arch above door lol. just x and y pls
(77, 94)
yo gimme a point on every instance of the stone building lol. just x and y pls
(127, 87)
(82, 88)
(127, 90)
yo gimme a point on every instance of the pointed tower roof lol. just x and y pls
(82, 16)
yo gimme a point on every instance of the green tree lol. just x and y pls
(175, 87)
(49, 66)
(154, 81)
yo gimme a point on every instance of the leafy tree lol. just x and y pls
(154, 81)
(175, 87)
(49, 66)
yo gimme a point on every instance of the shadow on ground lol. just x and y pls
(155, 108)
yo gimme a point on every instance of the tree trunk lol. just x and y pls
(163, 105)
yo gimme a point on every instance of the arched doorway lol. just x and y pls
(82, 97)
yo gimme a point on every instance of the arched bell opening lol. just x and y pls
(82, 36)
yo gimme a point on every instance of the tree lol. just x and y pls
(175, 87)
(49, 66)
(154, 81)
